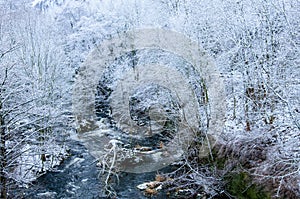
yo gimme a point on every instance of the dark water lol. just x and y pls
(77, 177)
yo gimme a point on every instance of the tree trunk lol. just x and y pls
(3, 179)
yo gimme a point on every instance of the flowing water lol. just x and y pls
(77, 177)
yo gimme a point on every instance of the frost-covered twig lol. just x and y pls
(109, 164)
(296, 122)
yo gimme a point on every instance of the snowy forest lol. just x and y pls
(209, 87)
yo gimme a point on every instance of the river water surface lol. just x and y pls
(78, 177)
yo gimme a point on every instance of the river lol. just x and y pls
(77, 177)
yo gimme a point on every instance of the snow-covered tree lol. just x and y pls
(255, 45)
(34, 97)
